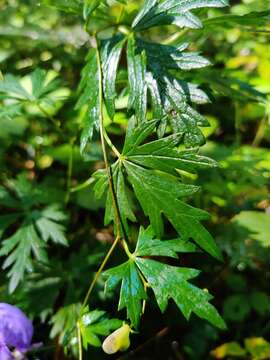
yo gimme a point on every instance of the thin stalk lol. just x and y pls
(110, 144)
(69, 173)
(260, 132)
(82, 186)
(104, 262)
(79, 341)
(175, 37)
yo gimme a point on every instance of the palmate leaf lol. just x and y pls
(163, 279)
(150, 67)
(18, 249)
(147, 245)
(29, 241)
(177, 12)
(167, 282)
(41, 85)
(35, 228)
(158, 192)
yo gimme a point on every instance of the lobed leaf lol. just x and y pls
(89, 97)
(132, 291)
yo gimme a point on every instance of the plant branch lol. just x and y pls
(110, 181)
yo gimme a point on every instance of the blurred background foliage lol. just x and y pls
(39, 155)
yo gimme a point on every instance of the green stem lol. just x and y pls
(109, 142)
(104, 262)
(260, 132)
(82, 186)
(175, 37)
(69, 173)
(79, 342)
(124, 30)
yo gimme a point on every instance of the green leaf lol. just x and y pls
(11, 87)
(42, 85)
(170, 96)
(89, 97)
(230, 20)
(39, 90)
(159, 192)
(6, 221)
(110, 60)
(136, 76)
(35, 228)
(171, 57)
(20, 246)
(228, 349)
(259, 348)
(176, 12)
(90, 6)
(257, 223)
(132, 291)
(95, 323)
(48, 226)
(125, 204)
(64, 323)
(7, 199)
(148, 246)
(169, 282)
(10, 111)
(73, 6)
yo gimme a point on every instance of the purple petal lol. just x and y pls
(5, 354)
(16, 329)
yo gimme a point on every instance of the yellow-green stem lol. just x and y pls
(79, 342)
(104, 262)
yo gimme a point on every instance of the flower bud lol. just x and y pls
(117, 341)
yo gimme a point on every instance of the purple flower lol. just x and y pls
(16, 332)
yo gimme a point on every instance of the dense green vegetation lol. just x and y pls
(135, 172)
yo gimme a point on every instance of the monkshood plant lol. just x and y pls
(163, 138)
(142, 182)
